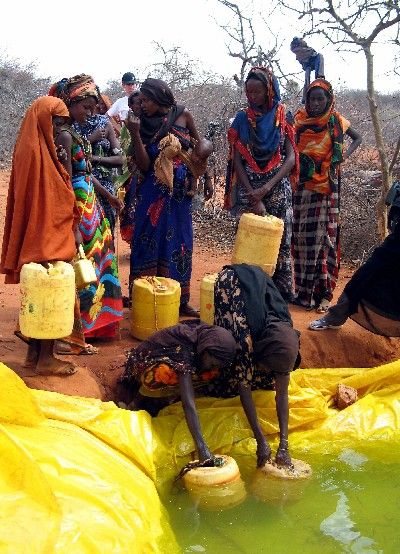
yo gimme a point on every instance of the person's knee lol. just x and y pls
(278, 350)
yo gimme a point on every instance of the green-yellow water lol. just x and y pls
(351, 504)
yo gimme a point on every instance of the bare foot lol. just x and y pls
(53, 366)
(32, 355)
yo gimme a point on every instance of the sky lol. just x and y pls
(106, 39)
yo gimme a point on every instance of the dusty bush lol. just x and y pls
(358, 233)
(19, 86)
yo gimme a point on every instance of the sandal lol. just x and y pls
(323, 306)
(62, 348)
(322, 325)
(297, 302)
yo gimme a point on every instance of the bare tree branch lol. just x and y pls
(395, 155)
(241, 32)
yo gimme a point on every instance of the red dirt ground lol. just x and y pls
(97, 376)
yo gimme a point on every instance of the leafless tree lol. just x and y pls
(176, 67)
(244, 47)
(354, 25)
(113, 89)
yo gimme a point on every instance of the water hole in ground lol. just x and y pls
(350, 504)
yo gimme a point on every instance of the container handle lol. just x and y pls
(156, 284)
(81, 252)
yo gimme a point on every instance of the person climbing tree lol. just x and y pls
(310, 60)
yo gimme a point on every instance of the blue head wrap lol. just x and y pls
(256, 129)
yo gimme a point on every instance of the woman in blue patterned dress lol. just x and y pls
(162, 241)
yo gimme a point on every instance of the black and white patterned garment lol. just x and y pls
(230, 314)
(279, 204)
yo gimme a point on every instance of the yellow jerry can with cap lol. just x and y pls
(257, 241)
(207, 298)
(48, 300)
(155, 305)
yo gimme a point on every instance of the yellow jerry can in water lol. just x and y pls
(155, 305)
(216, 488)
(48, 299)
(207, 298)
(257, 241)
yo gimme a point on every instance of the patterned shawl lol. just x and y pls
(320, 143)
(257, 136)
(175, 350)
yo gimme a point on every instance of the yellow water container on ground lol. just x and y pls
(207, 298)
(155, 305)
(48, 299)
(257, 241)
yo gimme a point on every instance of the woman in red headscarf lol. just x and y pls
(320, 131)
(262, 155)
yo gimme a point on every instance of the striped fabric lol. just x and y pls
(101, 302)
(315, 245)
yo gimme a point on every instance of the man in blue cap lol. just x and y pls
(119, 110)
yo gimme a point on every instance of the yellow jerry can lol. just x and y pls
(257, 241)
(85, 273)
(155, 305)
(207, 298)
(48, 299)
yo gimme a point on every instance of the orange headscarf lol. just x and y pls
(41, 202)
(320, 143)
(75, 88)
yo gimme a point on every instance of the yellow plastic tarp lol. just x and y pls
(313, 420)
(76, 476)
(82, 476)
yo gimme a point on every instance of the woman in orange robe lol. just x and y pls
(41, 223)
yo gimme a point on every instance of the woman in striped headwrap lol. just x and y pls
(100, 302)
(262, 156)
(320, 131)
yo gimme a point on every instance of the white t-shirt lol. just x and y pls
(120, 108)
